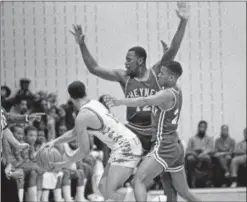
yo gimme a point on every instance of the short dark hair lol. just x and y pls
(77, 90)
(29, 128)
(14, 127)
(102, 101)
(140, 52)
(174, 67)
(203, 122)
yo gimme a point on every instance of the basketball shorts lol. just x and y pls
(126, 153)
(169, 153)
(144, 136)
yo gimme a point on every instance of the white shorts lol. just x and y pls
(126, 153)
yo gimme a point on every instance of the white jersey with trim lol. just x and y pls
(112, 131)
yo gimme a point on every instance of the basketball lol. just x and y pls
(45, 157)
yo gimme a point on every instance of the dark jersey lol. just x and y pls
(165, 122)
(141, 116)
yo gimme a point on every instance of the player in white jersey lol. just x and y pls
(95, 119)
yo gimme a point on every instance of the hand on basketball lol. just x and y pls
(36, 116)
(111, 101)
(79, 36)
(183, 10)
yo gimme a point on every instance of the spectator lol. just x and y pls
(41, 138)
(32, 173)
(14, 160)
(5, 102)
(239, 159)
(24, 91)
(71, 113)
(20, 107)
(198, 154)
(74, 172)
(224, 147)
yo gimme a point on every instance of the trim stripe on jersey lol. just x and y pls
(154, 74)
(175, 101)
(159, 139)
(99, 117)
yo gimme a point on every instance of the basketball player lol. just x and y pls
(138, 81)
(167, 153)
(126, 147)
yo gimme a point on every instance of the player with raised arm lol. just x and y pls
(95, 119)
(138, 81)
(167, 153)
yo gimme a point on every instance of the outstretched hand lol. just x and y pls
(79, 36)
(183, 10)
(111, 101)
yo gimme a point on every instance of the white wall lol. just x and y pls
(35, 43)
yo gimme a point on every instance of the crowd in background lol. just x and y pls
(209, 163)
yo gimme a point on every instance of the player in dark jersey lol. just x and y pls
(167, 153)
(137, 80)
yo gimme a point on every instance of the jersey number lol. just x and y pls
(175, 119)
(144, 109)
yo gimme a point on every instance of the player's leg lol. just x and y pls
(179, 181)
(148, 170)
(116, 177)
(103, 184)
(167, 185)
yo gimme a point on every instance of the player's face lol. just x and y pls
(19, 134)
(131, 64)
(31, 137)
(164, 77)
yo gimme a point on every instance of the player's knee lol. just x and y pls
(140, 176)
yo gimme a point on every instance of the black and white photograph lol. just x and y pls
(128, 101)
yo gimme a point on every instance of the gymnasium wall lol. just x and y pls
(36, 43)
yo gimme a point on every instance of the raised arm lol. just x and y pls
(91, 64)
(169, 53)
(163, 98)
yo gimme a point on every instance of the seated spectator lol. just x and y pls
(198, 154)
(15, 160)
(41, 138)
(5, 102)
(239, 159)
(224, 147)
(32, 173)
(74, 172)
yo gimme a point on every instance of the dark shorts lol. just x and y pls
(169, 153)
(144, 136)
